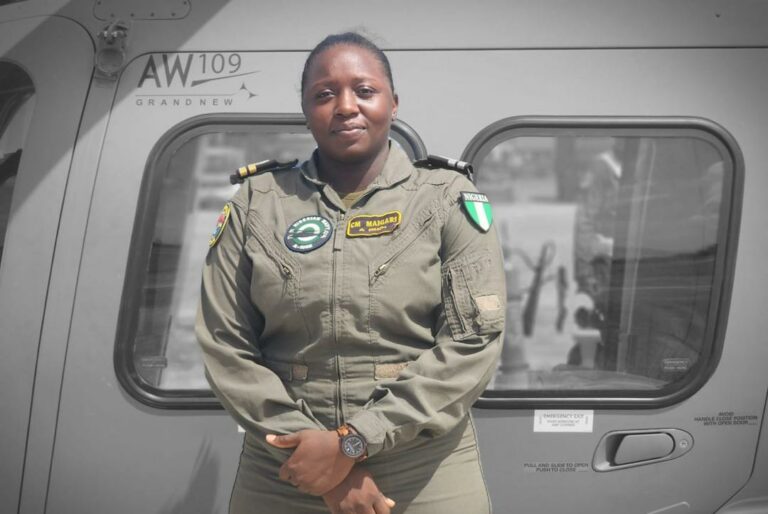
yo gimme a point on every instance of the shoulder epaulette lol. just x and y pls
(250, 170)
(436, 161)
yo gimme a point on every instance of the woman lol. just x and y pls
(352, 312)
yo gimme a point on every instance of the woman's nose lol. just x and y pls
(347, 104)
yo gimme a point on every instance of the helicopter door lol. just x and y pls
(38, 125)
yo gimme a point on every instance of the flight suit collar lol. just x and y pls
(397, 169)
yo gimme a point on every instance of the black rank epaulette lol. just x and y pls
(436, 161)
(250, 170)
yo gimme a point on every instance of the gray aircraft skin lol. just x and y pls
(622, 145)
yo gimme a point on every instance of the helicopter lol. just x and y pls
(620, 143)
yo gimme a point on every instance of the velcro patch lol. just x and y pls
(369, 225)
(488, 303)
(389, 370)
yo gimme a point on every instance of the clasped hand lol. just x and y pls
(358, 494)
(317, 464)
(318, 467)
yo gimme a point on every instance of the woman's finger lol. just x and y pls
(383, 505)
(284, 441)
(285, 474)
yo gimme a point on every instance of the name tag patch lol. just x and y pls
(369, 225)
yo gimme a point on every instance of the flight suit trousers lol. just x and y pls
(439, 475)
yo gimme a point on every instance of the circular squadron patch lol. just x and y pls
(308, 233)
(221, 223)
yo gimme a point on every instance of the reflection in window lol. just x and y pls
(16, 105)
(189, 187)
(610, 248)
(193, 189)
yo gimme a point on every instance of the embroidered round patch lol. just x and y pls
(221, 223)
(308, 233)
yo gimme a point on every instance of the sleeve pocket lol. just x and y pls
(473, 306)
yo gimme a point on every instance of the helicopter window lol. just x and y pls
(614, 246)
(16, 105)
(157, 356)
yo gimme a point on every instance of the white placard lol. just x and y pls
(563, 420)
(240, 430)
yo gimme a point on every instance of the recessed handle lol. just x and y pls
(629, 448)
(635, 448)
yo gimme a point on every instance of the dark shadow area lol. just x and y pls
(175, 33)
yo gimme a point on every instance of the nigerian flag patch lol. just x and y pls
(479, 209)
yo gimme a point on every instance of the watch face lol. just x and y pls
(353, 446)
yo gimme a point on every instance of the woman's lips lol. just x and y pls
(348, 132)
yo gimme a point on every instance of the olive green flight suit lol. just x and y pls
(396, 334)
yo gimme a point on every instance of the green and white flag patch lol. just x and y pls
(479, 209)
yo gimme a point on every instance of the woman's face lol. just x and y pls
(349, 104)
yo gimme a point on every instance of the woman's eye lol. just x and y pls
(323, 94)
(365, 91)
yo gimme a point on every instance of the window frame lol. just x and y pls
(728, 233)
(141, 239)
(8, 112)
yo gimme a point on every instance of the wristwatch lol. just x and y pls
(353, 445)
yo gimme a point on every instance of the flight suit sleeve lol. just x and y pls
(436, 391)
(228, 326)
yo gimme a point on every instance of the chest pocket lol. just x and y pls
(275, 277)
(405, 283)
(409, 237)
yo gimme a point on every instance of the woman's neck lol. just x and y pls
(348, 177)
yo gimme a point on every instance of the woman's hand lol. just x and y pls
(358, 494)
(317, 464)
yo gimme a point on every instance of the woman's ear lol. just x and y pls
(396, 103)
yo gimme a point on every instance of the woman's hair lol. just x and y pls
(347, 38)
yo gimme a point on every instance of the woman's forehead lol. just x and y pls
(347, 60)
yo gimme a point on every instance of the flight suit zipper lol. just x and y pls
(283, 268)
(382, 269)
(271, 250)
(287, 273)
(452, 289)
(337, 245)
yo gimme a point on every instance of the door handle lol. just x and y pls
(629, 448)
